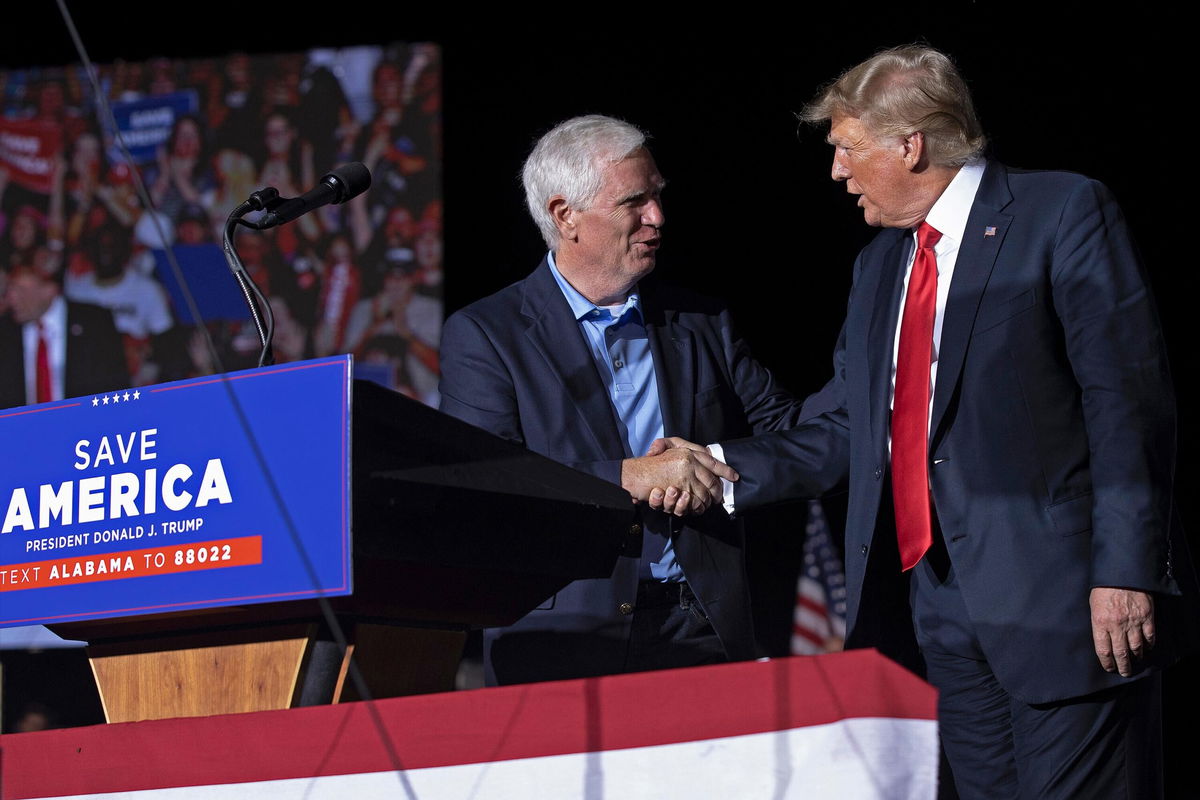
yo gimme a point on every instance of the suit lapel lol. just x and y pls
(976, 257)
(674, 353)
(882, 336)
(554, 333)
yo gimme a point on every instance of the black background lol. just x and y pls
(752, 215)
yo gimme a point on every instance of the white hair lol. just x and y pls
(570, 161)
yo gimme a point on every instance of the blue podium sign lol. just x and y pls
(216, 491)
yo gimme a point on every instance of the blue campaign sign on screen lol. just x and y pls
(146, 123)
(223, 490)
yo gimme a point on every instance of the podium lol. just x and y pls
(453, 528)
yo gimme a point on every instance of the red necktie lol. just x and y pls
(910, 405)
(43, 367)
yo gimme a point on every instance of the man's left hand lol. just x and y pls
(1122, 627)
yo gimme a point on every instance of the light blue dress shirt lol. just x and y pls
(616, 337)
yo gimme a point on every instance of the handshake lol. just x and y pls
(676, 476)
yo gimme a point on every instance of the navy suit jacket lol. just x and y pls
(516, 364)
(95, 356)
(1052, 439)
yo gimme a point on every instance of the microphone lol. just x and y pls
(338, 186)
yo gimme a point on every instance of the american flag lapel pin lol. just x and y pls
(990, 230)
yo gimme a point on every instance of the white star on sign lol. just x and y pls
(136, 394)
(95, 402)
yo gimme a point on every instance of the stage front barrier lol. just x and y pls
(184, 531)
(845, 725)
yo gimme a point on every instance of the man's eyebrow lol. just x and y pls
(655, 189)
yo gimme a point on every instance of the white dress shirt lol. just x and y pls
(54, 322)
(948, 216)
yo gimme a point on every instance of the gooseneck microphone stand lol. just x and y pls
(266, 199)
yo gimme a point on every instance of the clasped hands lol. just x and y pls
(676, 476)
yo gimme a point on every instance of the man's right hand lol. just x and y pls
(691, 477)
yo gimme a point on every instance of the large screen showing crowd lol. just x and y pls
(363, 278)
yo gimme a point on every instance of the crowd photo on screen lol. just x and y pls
(363, 278)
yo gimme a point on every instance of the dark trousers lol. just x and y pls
(1105, 745)
(670, 630)
(667, 629)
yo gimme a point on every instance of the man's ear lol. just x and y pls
(563, 216)
(914, 150)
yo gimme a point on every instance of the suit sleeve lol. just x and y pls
(1115, 348)
(477, 387)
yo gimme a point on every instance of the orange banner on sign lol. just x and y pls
(165, 560)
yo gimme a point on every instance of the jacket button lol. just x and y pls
(635, 529)
(625, 608)
(878, 473)
(864, 549)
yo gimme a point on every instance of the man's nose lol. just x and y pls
(840, 172)
(653, 215)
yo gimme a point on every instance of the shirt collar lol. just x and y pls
(581, 307)
(949, 214)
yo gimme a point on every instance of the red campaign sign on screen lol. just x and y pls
(215, 554)
(29, 150)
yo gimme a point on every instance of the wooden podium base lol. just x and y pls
(266, 667)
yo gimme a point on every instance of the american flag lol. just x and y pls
(819, 619)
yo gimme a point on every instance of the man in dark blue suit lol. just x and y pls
(587, 363)
(84, 354)
(1002, 407)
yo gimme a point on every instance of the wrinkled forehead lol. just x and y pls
(635, 165)
(846, 130)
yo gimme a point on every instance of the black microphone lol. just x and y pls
(347, 181)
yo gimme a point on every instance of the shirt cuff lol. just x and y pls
(718, 452)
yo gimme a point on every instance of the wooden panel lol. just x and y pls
(397, 661)
(221, 672)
